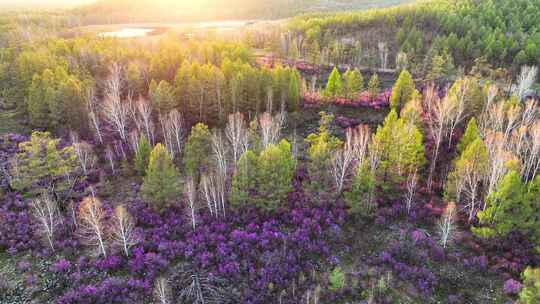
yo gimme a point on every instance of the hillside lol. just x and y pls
(123, 11)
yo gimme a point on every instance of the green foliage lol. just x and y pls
(293, 101)
(134, 79)
(42, 165)
(471, 134)
(402, 91)
(57, 99)
(353, 83)
(161, 184)
(360, 198)
(334, 86)
(244, 179)
(374, 85)
(321, 146)
(197, 151)
(162, 96)
(142, 156)
(506, 209)
(530, 294)
(336, 279)
(264, 180)
(473, 160)
(400, 150)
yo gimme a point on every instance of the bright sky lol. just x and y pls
(42, 3)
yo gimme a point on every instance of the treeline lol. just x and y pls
(57, 82)
(505, 33)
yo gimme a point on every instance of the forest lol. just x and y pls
(386, 155)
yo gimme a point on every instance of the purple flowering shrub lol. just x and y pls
(409, 259)
(16, 225)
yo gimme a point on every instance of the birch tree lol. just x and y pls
(237, 134)
(115, 112)
(190, 192)
(447, 224)
(91, 224)
(174, 132)
(162, 291)
(93, 114)
(45, 211)
(122, 230)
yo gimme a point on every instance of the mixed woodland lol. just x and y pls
(389, 155)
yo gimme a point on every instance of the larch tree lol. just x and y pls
(293, 98)
(122, 230)
(161, 183)
(530, 293)
(402, 91)
(91, 224)
(162, 96)
(334, 85)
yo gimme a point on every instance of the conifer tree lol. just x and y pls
(321, 146)
(402, 91)
(374, 86)
(530, 294)
(197, 151)
(244, 179)
(161, 184)
(293, 100)
(400, 150)
(506, 209)
(470, 135)
(162, 96)
(360, 197)
(353, 83)
(274, 175)
(142, 156)
(334, 85)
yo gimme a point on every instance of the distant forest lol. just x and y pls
(124, 11)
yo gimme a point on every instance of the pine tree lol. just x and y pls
(402, 91)
(530, 294)
(321, 146)
(244, 179)
(274, 175)
(162, 96)
(142, 156)
(293, 101)
(161, 184)
(506, 209)
(360, 197)
(333, 86)
(470, 135)
(197, 151)
(374, 86)
(354, 83)
(400, 150)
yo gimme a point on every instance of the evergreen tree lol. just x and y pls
(134, 79)
(321, 146)
(142, 156)
(399, 148)
(530, 294)
(354, 83)
(374, 86)
(333, 86)
(274, 175)
(470, 135)
(360, 198)
(293, 101)
(506, 209)
(244, 179)
(197, 151)
(402, 91)
(42, 164)
(162, 96)
(161, 184)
